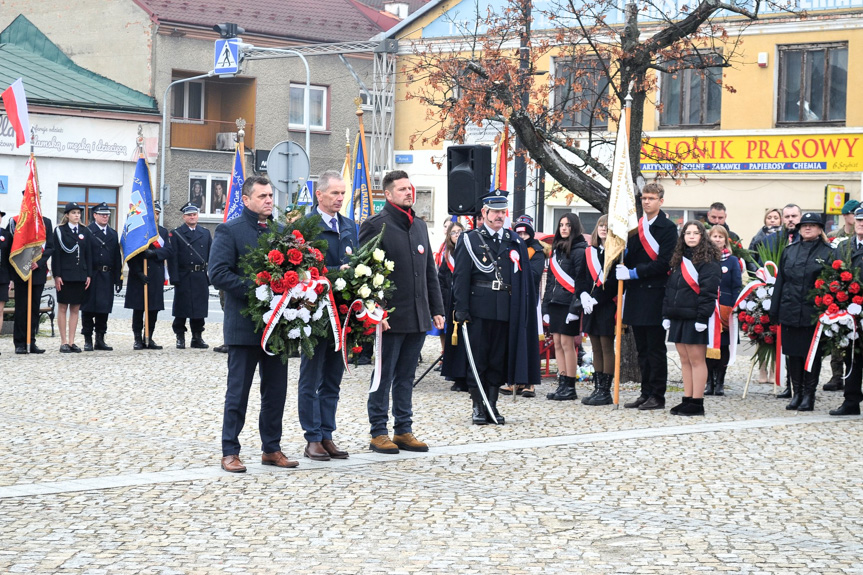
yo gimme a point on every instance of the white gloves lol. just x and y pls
(587, 302)
(622, 272)
(699, 327)
(666, 324)
(571, 317)
(546, 319)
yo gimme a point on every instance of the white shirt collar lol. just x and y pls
(327, 217)
(494, 234)
(103, 230)
(653, 219)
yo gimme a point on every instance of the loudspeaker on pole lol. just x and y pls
(468, 178)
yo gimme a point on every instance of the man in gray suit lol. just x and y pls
(233, 240)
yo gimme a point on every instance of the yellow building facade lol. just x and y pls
(764, 145)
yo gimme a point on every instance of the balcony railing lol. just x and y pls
(204, 134)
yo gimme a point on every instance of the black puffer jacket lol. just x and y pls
(799, 267)
(681, 301)
(574, 265)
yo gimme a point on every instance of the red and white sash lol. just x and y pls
(450, 262)
(690, 274)
(648, 242)
(714, 327)
(594, 265)
(562, 277)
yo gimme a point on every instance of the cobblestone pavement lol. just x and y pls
(111, 466)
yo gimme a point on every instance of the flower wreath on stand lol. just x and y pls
(291, 293)
(753, 307)
(361, 291)
(838, 301)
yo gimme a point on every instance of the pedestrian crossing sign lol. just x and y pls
(227, 59)
(305, 197)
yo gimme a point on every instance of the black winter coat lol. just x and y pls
(799, 267)
(537, 262)
(601, 320)
(155, 277)
(574, 265)
(444, 278)
(187, 268)
(6, 270)
(71, 260)
(643, 305)
(106, 268)
(417, 295)
(681, 301)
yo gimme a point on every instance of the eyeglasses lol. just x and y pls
(455, 233)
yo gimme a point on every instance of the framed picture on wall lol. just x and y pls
(209, 191)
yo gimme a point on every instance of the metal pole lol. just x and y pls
(165, 128)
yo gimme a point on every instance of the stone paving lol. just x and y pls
(111, 466)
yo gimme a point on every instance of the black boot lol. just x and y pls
(603, 391)
(676, 409)
(597, 377)
(478, 415)
(785, 393)
(719, 376)
(810, 384)
(88, 342)
(493, 392)
(568, 392)
(139, 341)
(100, 343)
(181, 341)
(797, 398)
(198, 341)
(561, 387)
(695, 406)
(847, 408)
(711, 378)
(152, 344)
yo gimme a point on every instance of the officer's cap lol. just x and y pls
(812, 218)
(496, 200)
(72, 206)
(850, 207)
(102, 209)
(190, 208)
(858, 214)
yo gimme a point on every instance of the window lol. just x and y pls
(813, 82)
(209, 191)
(583, 95)
(87, 197)
(692, 97)
(188, 102)
(317, 107)
(423, 205)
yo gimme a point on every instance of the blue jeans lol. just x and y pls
(318, 391)
(400, 353)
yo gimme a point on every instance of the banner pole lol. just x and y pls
(29, 310)
(146, 307)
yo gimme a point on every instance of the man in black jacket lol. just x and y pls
(106, 267)
(417, 301)
(645, 269)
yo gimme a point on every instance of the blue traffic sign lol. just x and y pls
(227, 56)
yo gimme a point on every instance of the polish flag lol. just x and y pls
(15, 103)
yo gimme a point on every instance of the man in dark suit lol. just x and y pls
(321, 375)
(106, 269)
(187, 269)
(153, 281)
(416, 299)
(39, 278)
(233, 240)
(493, 293)
(645, 269)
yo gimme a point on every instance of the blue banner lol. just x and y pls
(235, 189)
(361, 182)
(140, 229)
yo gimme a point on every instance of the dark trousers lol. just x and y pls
(242, 362)
(489, 340)
(652, 359)
(400, 354)
(138, 320)
(97, 320)
(318, 391)
(853, 393)
(19, 327)
(195, 324)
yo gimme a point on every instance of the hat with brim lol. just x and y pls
(102, 209)
(496, 200)
(72, 206)
(190, 208)
(812, 218)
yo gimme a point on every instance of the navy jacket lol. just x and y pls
(340, 246)
(106, 268)
(187, 268)
(73, 265)
(233, 240)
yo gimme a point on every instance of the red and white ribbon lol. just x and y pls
(648, 242)
(515, 258)
(714, 327)
(594, 266)
(450, 262)
(286, 299)
(825, 319)
(374, 317)
(562, 277)
(690, 274)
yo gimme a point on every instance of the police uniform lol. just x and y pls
(493, 293)
(187, 269)
(106, 267)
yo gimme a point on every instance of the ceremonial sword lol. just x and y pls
(469, 353)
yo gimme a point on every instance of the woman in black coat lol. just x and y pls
(599, 302)
(444, 275)
(690, 301)
(561, 307)
(70, 267)
(794, 309)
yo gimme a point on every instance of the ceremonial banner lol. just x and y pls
(15, 103)
(234, 205)
(361, 186)
(140, 230)
(347, 209)
(29, 228)
(622, 216)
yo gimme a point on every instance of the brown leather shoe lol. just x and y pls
(232, 464)
(334, 451)
(278, 459)
(382, 444)
(316, 452)
(408, 442)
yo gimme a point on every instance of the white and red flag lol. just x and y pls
(15, 103)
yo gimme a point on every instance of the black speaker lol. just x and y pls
(468, 177)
